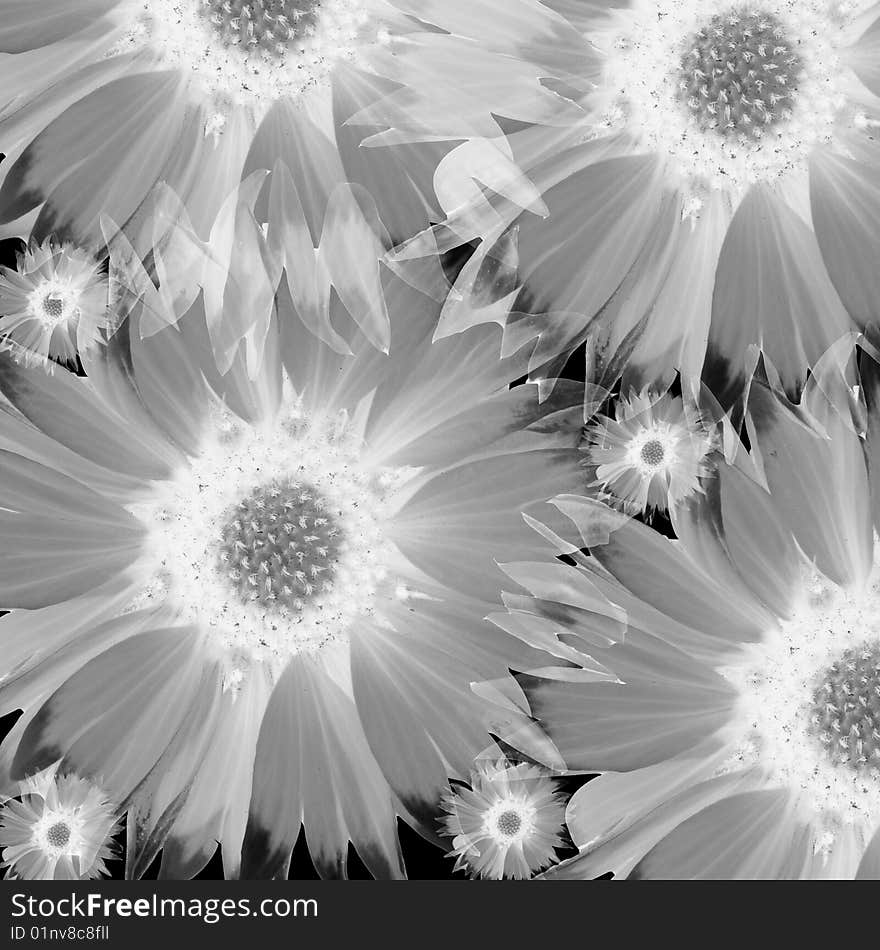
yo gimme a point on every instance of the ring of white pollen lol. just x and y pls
(809, 705)
(653, 449)
(249, 52)
(731, 95)
(509, 820)
(59, 833)
(271, 540)
(54, 303)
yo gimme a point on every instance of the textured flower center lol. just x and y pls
(809, 708)
(280, 545)
(262, 25)
(653, 453)
(846, 709)
(58, 835)
(53, 306)
(739, 73)
(272, 540)
(727, 93)
(251, 53)
(508, 823)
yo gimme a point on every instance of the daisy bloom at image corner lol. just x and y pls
(717, 186)
(102, 99)
(58, 827)
(734, 716)
(296, 565)
(653, 454)
(506, 822)
(56, 304)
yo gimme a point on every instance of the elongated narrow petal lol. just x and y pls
(295, 771)
(748, 836)
(68, 409)
(635, 723)
(771, 287)
(88, 722)
(845, 201)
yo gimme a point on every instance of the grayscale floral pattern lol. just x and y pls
(439, 438)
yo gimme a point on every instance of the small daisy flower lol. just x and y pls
(709, 181)
(59, 827)
(734, 725)
(294, 559)
(653, 454)
(56, 304)
(507, 824)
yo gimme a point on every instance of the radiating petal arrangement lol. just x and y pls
(456, 417)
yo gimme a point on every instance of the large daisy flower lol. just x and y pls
(294, 565)
(716, 188)
(734, 723)
(58, 827)
(102, 99)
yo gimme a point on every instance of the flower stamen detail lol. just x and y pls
(846, 708)
(248, 53)
(509, 823)
(740, 74)
(653, 453)
(809, 707)
(265, 25)
(280, 545)
(58, 835)
(272, 538)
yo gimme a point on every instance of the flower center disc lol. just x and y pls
(53, 306)
(279, 546)
(508, 824)
(846, 709)
(58, 835)
(653, 453)
(739, 74)
(262, 25)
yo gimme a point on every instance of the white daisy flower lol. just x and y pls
(60, 827)
(707, 183)
(652, 455)
(56, 305)
(507, 824)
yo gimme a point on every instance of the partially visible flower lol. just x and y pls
(56, 305)
(709, 181)
(652, 455)
(60, 827)
(507, 824)
(105, 98)
(735, 723)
